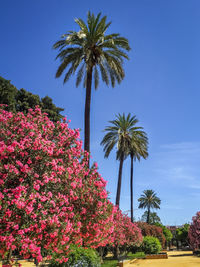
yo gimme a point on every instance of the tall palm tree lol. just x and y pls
(119, 134)
(149, 200)
(138, 149)
(88, 52)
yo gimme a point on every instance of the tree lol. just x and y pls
(138, 149)
(194, 230)
(91, 50)
(149, 200)
(182, 234)
(22, 100)
(125, 233)
(152, 230)
(153, 218)
(167, 233)
(46, 204)
(119, 134)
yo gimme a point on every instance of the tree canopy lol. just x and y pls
(153, 217)
(22, 100)
(149, 200)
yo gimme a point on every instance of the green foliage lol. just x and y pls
(7, 94)
(79, 257)
(22, 100)
(120, 134)
(153, 218)
(137, 255)
(151, 245)
(109, 263)
(91, 49)
(167, 233)
(149, 200)
(182, 234)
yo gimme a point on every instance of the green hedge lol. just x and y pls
(79, 257)
(151, 245)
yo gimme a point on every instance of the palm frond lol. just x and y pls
(82, 25)
(80, 75)
(68, 74)
(104, 73)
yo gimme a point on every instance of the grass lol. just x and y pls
(109, 262)
(137, 255)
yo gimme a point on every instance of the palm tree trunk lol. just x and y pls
(87, 112)
(119, 181)
(148, 214)
(131, 188)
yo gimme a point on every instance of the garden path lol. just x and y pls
(175, 259)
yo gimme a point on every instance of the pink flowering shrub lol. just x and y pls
(194, 232)
(125, 232)
(49, 198)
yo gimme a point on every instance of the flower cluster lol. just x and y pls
(125, 232)
(49, 198)
(194, 232)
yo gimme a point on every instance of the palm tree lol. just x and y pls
(138, 149)
(119, 134)
(88, 52)
(153, 217)
(149, 200)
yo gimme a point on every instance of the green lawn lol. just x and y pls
(109, 262)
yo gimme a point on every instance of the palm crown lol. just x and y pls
(90, 48)
(149, 200)
(120, 134)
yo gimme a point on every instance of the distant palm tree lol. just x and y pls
(91, 50)
(153, 217)
(149, 200)
(138, 149)
(119, 134)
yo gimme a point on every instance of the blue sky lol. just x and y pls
(161, 88)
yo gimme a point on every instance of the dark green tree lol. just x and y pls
(149, 200)
(22, 100)
(7, 94)
(138, 149)
(50, 108)
(119, 134)
(182, 234)
(153, 218)
(26, 100)
(88, 52)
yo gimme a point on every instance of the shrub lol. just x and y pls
(152, 230)
(49, 198)
(79, 257)
(194, 232)
(125, 232)
(151, 245)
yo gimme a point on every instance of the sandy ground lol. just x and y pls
(24, 264)
(175, 259)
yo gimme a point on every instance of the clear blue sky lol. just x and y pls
(161, 87)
